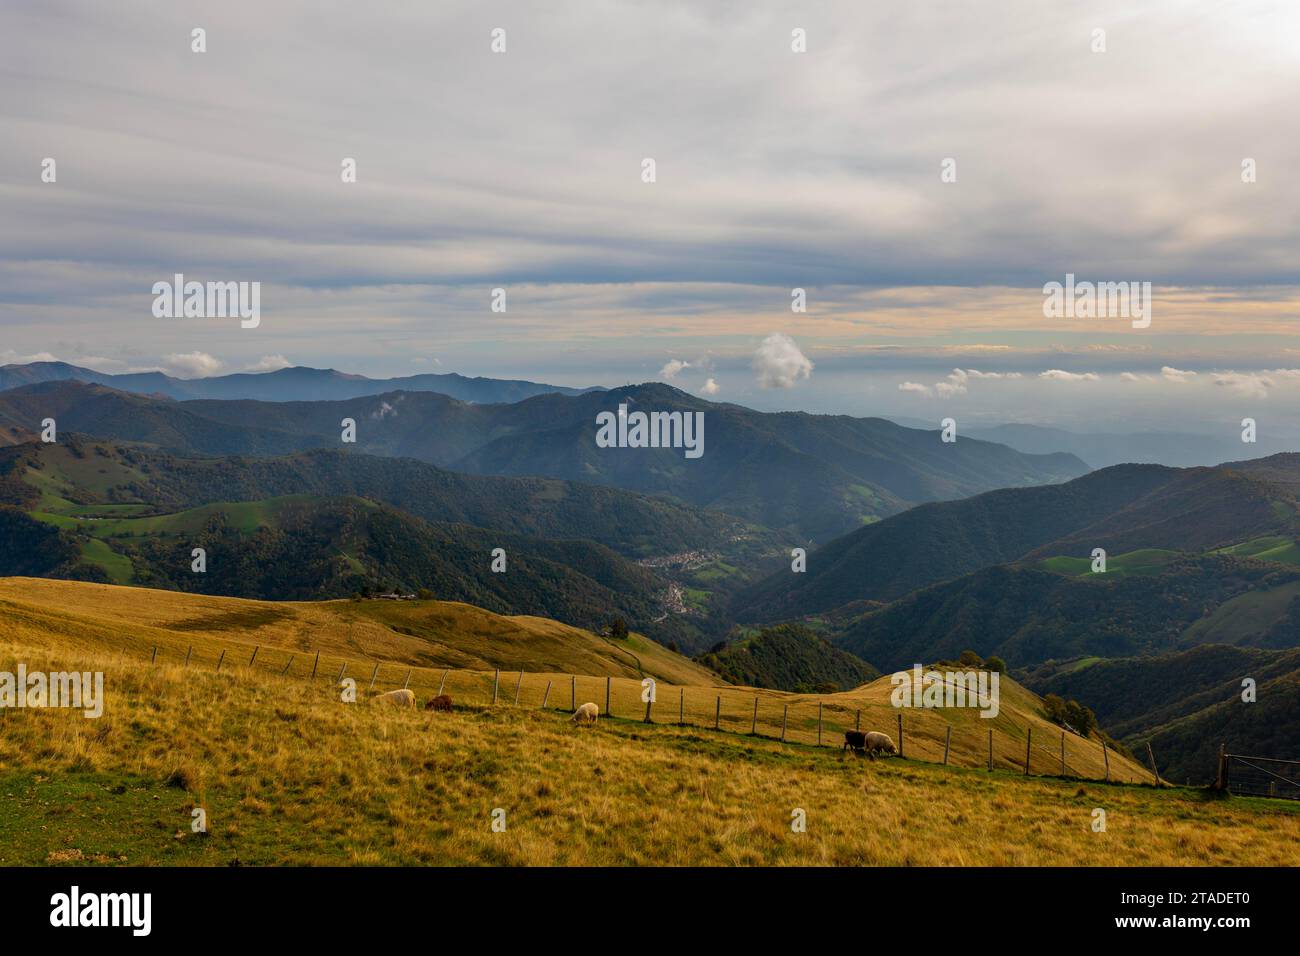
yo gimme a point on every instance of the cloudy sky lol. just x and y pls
(775, 170)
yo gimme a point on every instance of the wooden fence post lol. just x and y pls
(990, 749)
(407, 682)
(287, 666)
(373, 674)
(313, 665)
(518, 684)
(900, 733)
(341, 670)
(819, 723)
(187, 655)
(254, 657)
(1062, 753)
(496, 682)
(1152, 756)
(717, 714)
(857, 721)
(1221, 781)
(220, 659)
(547, 695)
(681, 706)
(753, 724)
(573, 692)
(785, 715)
(155, 654)
(608, 681)
(648, 704)
(443, 683)
(1029, 738)
(947, 743)
(1106, 757)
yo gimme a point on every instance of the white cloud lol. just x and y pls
(1250, 384)
(710, 387)
(1059, 375)
(672, 368)
(1171, 374)
(190, 364)
(957, 380)
(914, 387)
(778, 363)
(269, 363)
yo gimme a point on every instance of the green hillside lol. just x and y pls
(790, 658)
(1027, 615)
(1137, 513)
(1188, 703)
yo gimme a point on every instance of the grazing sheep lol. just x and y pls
(878, 741)
(856, 741)
(441, 702)
(585, 714)
(398, 698)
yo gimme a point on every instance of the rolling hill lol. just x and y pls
(1122, 509)
(1187, 703)
(622, 792)
(129, 511)
(788, 657)
(810, 476)
(1028, 615)
(304, 547)
(97, 478)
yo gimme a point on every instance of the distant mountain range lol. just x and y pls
(810, 477)
(296, 384)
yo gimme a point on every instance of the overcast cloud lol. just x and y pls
(775, 170)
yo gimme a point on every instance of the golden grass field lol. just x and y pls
(288, 773)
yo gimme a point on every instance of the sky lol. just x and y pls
(1113, 157)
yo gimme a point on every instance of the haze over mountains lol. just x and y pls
(917, 549)
(294, 384)
(812, 476)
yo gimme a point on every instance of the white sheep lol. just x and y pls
(398, 698)
(878, 741)
(585, 714)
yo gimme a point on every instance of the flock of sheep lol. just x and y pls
(404, 698)
(869, 743)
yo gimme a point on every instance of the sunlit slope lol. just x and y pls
(289, 774)
(419, 633)
(427, 637)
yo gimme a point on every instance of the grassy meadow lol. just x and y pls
(288, 773)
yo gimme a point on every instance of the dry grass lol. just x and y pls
(290, 774)
(353, 637)
(430, 634)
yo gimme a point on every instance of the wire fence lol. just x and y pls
(923, 734)
(1259, 776)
